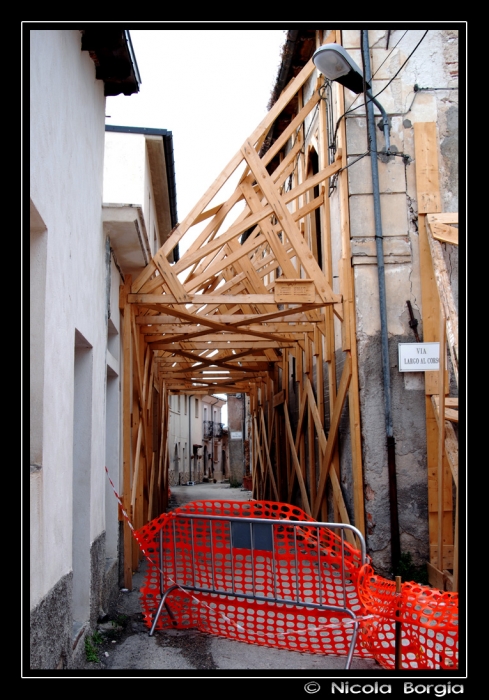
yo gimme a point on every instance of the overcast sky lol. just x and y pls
(209, 87)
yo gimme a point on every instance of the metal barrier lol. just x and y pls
(276, 561)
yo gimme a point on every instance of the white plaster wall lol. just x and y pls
(124, 169)
(67, 114)
(127, 177)
(149, 211)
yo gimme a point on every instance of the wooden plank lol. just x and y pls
(240, 252)
(443, 218)
(349, 330)
(451, 414)
(258, 452)
(441, 448)
(427, 171)
(435, 577)
(340, 504)
(294, 291)
(277, 146)
(333, 434)
(446, 299)
(288, 224)
(295, 461)
(448, 552)
(426, 148)
(278, 399)
(315, 415)
(444, 233)
(201, 299)
(260, 130)
(451, 451)
(126, 429)
(267, 453)
(268, 230)
(170, 277)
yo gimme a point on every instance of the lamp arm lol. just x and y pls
(385, 121)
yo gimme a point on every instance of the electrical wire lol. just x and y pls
(373, 76)
(400, 69)
(352, 109)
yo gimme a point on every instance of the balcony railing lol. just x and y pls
(218, 429)
(212, 429)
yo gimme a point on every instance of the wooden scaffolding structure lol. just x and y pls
(249, 301)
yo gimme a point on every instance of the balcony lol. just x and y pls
(218, 429)
(212, 429)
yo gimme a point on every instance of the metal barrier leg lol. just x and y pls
(160, 607)
(352, 646)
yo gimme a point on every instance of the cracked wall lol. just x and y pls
(433, 69)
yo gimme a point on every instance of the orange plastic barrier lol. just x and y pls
(429, 617)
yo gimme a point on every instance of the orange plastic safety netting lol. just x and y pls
(320, 569)
(428, 618)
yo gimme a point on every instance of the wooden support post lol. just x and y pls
(429, 201)
(350, 333)
(441, 447)
(126, 309)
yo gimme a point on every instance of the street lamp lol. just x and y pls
(337, 65)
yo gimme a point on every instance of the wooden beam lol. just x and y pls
(296, 463)
(333, 434)
(288, 224)
(126, 309)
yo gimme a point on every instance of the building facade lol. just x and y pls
(414, 75)
(89, 232)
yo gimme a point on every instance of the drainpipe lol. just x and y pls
(391, 451)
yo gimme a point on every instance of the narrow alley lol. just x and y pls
(127, 645)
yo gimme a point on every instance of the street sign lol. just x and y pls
(419, 357)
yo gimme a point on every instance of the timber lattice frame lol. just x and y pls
(235, 311)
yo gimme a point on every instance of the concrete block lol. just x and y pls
(423, 109)
(360, 176)
(350, 39)
(386, 62)
(367, 299)
(393, 211)
(378, 37)
(396, 133)
(362, 222)
(392, 99)
(410, 169)
(394, 214)
(413, 381)
(399, 247)
(364, 247)
(356, 135)
(388, 260)
(392, 176)
(393, 247)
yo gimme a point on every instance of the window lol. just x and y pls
(196, 408)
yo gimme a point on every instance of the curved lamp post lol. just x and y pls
(337, 65)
